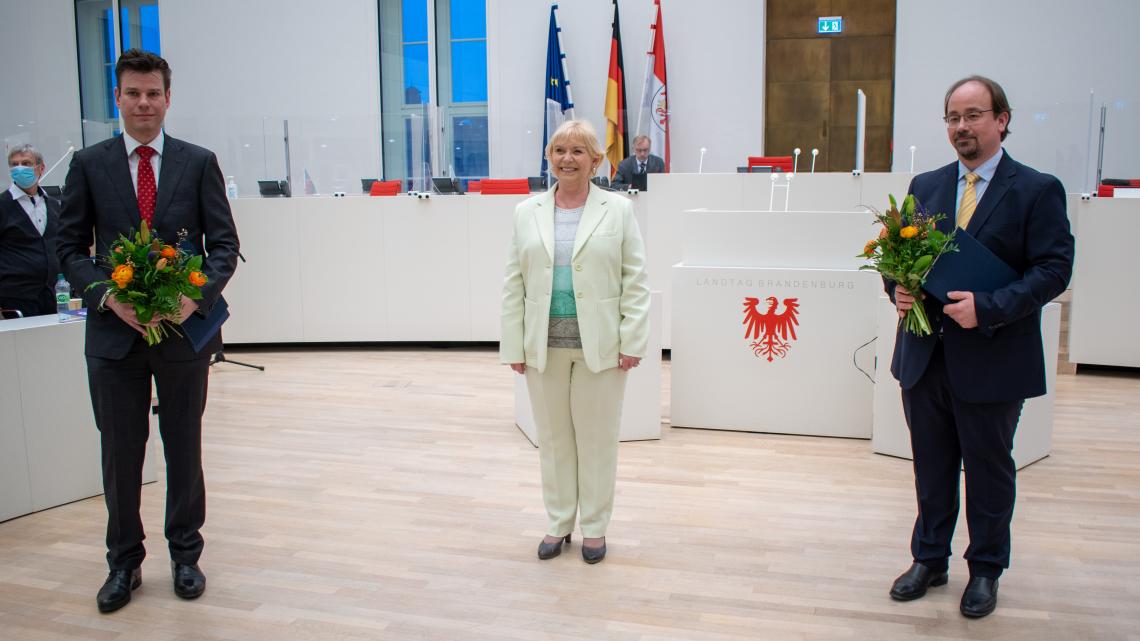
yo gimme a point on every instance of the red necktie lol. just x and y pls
(147, 191)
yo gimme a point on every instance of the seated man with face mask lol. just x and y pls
(28, 222)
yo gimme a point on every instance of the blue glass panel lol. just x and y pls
(470, 136)
(148, 24)
(110, 80)
(468, 19)
(469, 71)
(125, 27)
(415, 74)
(414, 13)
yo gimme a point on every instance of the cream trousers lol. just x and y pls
(578, 414)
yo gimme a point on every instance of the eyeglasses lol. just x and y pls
(970, 117)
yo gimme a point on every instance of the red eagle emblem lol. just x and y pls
(771, 333)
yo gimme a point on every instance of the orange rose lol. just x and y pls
(869, 248)
(197, 279)
(883, 233)
(123, 275)
(168, 252)
(910, 231)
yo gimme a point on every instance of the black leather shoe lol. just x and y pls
(594, 555)
(912, 584)
(189, 582)
(551, 550)
(116, 590)
(980, 597)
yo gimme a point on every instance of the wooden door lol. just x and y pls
(811, 81)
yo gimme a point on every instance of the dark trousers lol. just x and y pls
(947, 434)
(120, 396)
(38, 306)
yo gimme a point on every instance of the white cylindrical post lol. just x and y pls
(912, 150)
(860, 129)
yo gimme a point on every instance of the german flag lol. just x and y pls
(617, 146)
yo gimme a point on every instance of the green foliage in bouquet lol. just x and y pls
(907, 246)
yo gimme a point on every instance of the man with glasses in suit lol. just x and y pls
(632, 170)
(964, 385)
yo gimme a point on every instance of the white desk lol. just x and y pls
(1104, 308)
(49, 447)
(723, 380)
(369, 269)
(1034, 437)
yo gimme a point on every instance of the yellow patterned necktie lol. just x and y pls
(969, 201)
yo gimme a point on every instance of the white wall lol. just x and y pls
(1047, 56)
(40, 77)
(241, 67)
(714, 52)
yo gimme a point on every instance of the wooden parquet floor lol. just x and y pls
(385, 494)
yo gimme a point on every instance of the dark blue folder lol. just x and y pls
(973, 268)
(199, 330)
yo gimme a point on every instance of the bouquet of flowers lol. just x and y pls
(152, 276)
(907, 246)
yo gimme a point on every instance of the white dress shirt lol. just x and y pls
(36, 212)
(133, 158)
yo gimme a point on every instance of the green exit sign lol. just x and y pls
(830, 24)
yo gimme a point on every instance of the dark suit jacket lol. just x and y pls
(628, 167)
(99, 204)
(28, 263)
(1021, 218)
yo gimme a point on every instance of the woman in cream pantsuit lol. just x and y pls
(575, 321)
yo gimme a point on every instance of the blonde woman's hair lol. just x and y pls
(576, 131)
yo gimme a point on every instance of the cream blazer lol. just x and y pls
(610, 289)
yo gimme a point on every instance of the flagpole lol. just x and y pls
(648, 71)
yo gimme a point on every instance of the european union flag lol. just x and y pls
(558, 104)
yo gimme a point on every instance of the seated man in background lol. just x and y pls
(631, 171)
(28, 222)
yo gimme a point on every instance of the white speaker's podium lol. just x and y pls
(735, 265)
(641, 408)
(1034, 437)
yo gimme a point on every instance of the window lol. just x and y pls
(433, 66)
(95, 36)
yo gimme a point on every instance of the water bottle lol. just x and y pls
(62, 298)
(231, 187)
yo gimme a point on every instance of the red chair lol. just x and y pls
(490, 186)
(783, 163)
(1108, 191)
(384, 188)
(473, 186)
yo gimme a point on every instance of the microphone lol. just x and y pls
(70, 149)
(796, 162)
(701, 164)
(814, 153)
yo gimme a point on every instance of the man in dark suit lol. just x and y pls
(176, 186)
(964, 386)
(29, 219)
(639, 164)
